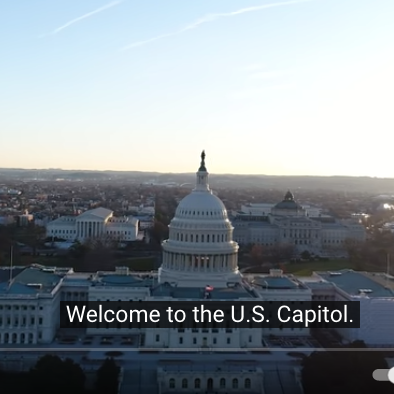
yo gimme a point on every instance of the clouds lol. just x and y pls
(85, 16)
(211, 18)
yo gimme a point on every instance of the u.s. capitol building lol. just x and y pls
(200, 251)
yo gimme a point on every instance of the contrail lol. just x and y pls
(88, 15)
(211, 18)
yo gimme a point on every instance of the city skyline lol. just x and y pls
(265, 87)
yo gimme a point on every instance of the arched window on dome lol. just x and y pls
(184, 383)
(197, 383)
(172, 383)
(222, 383)
(248, 384)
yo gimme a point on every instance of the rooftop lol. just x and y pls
(228, 293)
(31, 280)
(272, 282)
(124, 281)
(101, 213)
(354, 282)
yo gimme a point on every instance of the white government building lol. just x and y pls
(95, 223)
(200, 251)
(303, 226)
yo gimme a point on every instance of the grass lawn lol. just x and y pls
(135, 264)
(307, 268)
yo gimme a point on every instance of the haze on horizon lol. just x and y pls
(265, 87)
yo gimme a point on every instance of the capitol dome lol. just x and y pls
(200, 250)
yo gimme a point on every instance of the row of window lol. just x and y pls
(247, 384)
(26, 339)
(24, 321)
(214, 214)
(57, 231)
(209, 238)
(19, 307)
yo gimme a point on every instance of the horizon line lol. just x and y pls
(194, 172)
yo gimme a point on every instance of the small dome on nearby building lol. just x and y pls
(288, 203)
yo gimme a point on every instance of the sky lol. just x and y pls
(264, 86)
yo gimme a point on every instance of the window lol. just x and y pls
(222, 383)
(184, 383)
(157, 338)
(194, 341)
(172, 383)
(235, 383)
(197, 383)
(248, 383)
(228, 341)
(180, 340)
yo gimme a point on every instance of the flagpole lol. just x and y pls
(11, 261)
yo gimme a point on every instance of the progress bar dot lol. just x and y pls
(391, 375)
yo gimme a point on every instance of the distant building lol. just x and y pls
(288, 222)
(6, 220)
(96, 223)
(25, 219)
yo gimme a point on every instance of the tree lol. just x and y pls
(344, 372)
(305, 255)
(51, 374)
(107, 378)
(99, 256)
(256, 254)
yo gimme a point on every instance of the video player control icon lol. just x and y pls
(384, 375)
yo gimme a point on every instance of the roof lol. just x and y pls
(5, 273)
(31, 280)
(228, 293)
(64, 220)
(101, 213)
(273, 282)
(353, 281)
(124, 281)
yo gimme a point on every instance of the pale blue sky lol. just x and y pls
(299, 88)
